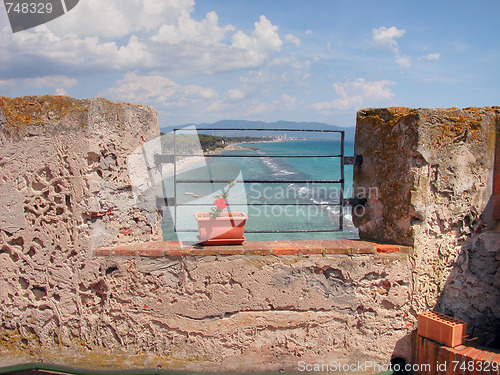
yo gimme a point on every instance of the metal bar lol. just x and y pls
(260, 181)
(356, 160)
(275, 231)
(341, 213)
(169, 158)
(257, 204)
(258, 156)
(269, 130)
(175, 182)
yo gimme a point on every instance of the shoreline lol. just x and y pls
(193, 162)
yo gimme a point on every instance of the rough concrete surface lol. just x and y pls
(67, 190)
(433, 171)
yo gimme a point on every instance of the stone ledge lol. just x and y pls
(262, 248)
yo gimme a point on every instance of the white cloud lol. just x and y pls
(57, 82)
(119, 18)
(235, 94)
(403, 61)
(156, 89)
(292, 39)
(357, 93)
(125, 35)
(430, 57)
(264, 39)
(187, 30)
(386, 37)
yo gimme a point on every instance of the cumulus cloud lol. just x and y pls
(292, 39)
(125, 35)
(386, 37)
(59, 83)
(357, 93)
(403, 61)
(156, 89)
(431, 57)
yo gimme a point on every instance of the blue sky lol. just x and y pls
(297, 60)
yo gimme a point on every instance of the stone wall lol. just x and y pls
(66, 197)
(65, 191)
(433, 171)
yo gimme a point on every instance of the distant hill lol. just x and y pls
(243, 124)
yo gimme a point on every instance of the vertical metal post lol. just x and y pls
(341, 211)
(175, 182)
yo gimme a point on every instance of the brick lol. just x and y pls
(283, 248)
(406, 249)
(460, 359)
(145, 252)
(231, 250)
(204, 250)
(124, 251)
(360, 247)
(386, 249)
(470, 359)
(309, 247)
(488, 359)
(496, 207)
(257, 248)
(178, 251)
(496, 183)
(479, 358)
(336, 247)
(103, 252)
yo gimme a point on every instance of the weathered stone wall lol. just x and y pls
(65, 190)
(433, 172)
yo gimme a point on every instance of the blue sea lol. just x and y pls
(304, 206)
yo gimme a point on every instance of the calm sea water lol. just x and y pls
(309, 206)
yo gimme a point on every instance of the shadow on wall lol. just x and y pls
(476, 274)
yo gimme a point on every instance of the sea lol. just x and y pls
(287, 209)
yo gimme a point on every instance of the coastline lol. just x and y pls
(194, 162)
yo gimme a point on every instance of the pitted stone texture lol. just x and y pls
(64, 173)
(432, 171)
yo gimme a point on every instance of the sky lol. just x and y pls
(294, 60)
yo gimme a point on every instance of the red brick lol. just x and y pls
(336, 247)
(496, 183)
(309, 247)
(360, 247)
(479, 358)
(157, 245)
(257, 248)
(103, 252)
(123, 251)
(144, 252)
(386, 249)
(181, 251)
(204, 250)
(231, 250)
(283, 248)
(460, 359)
(470, 360)
(406, 249)
(496, 207)
(497, 366)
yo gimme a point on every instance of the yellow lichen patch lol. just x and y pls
(36, 110)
